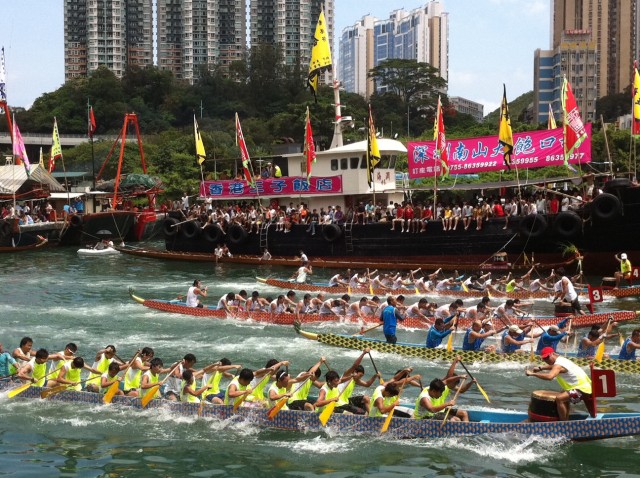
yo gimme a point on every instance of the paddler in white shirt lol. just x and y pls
(134, 374)
(35, 370)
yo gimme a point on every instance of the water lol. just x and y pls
(56, 297)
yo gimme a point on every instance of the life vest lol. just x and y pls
(187, 397)
(38, 371)
(575, 376)
(257, 394)
(302, 392)
(347, 391)
(103, 390)
(132, 378)
(420, 412)
(386, 401)
(153, 379)
(329, 394)
(73, 375)
(239, 387)
(279, 391)
(102, 365)
(212, 380)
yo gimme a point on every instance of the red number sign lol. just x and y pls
(595, 294)
(603, 383)
(635, 273)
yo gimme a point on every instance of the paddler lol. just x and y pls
(69, 374)
(280, 388)
(23, 352)
(104, 358)
(358, 404)
(35, 370)
(441, 328)
(573, 380)
(187, 392)
(515, 337)
(8, 365)
(431, 403)
(151, 377)
(628, 348)
(260, 380)
(213, 374)
(192, 294)
(239, 386)
(299, 399)
(138, 367)
(625, 269)
(385, 397)
(174, 382)
(553, 335)
(109, 378)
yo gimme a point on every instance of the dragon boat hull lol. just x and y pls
(522, 295)
(579, 427)
(179, 307)
(442, 354)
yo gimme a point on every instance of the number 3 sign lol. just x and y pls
(595, 294)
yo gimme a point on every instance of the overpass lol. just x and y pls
(31, 139)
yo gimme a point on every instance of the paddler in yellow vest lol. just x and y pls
(574, 381)
(173, 387)
(358, 404)
(281, 388)
(110, 377)
(299, 398)
(150, 378)
(35, 370)
(385, 397)
(60, 358)
(104, 358)
(239, 387)
(134, 374)
(330, 392)
(625, 268)
(188, 393)
(432, 401)
(213, 374)
(69, 374)
(260, 381)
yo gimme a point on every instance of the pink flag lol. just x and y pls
(440, 151)
(309, 145)
(19, 151)
(574, 130)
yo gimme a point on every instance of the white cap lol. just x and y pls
(623, 256)
(515, 329)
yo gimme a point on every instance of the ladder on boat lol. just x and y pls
(264, 231)
(348, 235)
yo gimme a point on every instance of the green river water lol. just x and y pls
(56, 297)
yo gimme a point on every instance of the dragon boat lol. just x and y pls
(579, 427)
(178, 306)
(608, 293)
(442, 354)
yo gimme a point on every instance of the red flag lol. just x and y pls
(441, 141)
(309, 145)
(92, 122)
(574, 131)
(244, 154)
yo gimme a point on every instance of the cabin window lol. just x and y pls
(354, 163)
(334, 165)
(344, 163)
(363, 163)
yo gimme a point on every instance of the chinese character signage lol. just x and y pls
(533, 149)
(286, 186)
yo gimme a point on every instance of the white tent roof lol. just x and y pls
(12, 177)
(385, 145)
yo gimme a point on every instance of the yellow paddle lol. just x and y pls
(450, 340)
(281, 403)
(477, 383)
(113, 388)
(153, 390)
(455, 397)
(60, 388)
(600, 350)
(326, 413)
(22, 388)
(387, 421)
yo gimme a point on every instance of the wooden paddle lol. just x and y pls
(153, 390)
(113, 388)
(455, 397)
(387, 421)
(17, 391)
(477, 383)
(376, 369)
(362, 332)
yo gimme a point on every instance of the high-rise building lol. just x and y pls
(421, 34)
(575, 57)
(613, 26)
(113, 33)
(290, 26)
(200, 34)
(463, 105)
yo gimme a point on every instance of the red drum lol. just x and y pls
(542, 407)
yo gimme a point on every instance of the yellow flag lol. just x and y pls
(551, 123)
(320, 54)
(506, 135)
(635, 128)
(200, 154)
(373, 152)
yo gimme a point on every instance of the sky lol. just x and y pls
(491, 42)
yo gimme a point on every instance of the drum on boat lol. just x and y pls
(608, 282)
(562, 310)
(542, 407)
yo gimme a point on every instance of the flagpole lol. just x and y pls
(93, 159)
(13, 168)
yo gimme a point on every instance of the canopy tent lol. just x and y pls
(14, 177)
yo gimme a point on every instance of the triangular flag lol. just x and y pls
(635, 129)
(506, 135)
(309, 145)
(574, 130)
(200, 153)
(440, 152)
(56, 150)
(320, 55)
(19, 151)
(244, 154)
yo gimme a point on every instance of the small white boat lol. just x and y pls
(91, 251)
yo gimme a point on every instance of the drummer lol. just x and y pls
(625, 268)
(573, 380)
